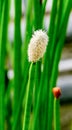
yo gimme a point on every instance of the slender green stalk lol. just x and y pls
(44, 6)
(1, 9)
(28, 34)
(37, 14)
(47, 65)
(41, 89)
(56, 114)
(55, 66)
(17, 60)
(22, 95)
(25, 62)
(57, 24)
(37, 79)
(52, 19)
(36, 88)
(29, 96)
(3, 39)
(38, 22)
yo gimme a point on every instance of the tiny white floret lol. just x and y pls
(37, 46)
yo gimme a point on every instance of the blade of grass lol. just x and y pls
(3, 36)
(39, 10)
(41, 89)
(47, 61)
(57, 25)
(25, 63)
(29, 96)
(56, 114)
(17, 61)
(44, 6)
(22, 96)
(55, 65)
(38, 22)
(28, 34)
(38, 14)
(1, 9)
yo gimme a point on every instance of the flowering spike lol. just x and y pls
(37, 45)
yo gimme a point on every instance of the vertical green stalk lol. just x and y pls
(28, 34)
(56, 114)
(22, 95)
(55, 65)
(25, 63)
(37, 14)
(40, 97)
(3, 40)
(36, 88)
(17, 61)
(29, 96)
(38, 22)
(44, 6)
(57, 25)
(52, 19)
(47, 63)
(37, 79)
(1, 9)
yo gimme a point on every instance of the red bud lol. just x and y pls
(57, 92)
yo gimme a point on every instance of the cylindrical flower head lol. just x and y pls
(57, 92)
(37, 45)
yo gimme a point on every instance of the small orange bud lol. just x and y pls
(56, 92)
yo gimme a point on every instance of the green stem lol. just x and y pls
(56, 114)
(3, 36)
(36, 88)
(38, 22)
(42, 88)
(1, 9)
(57, 24)
(37, 79)
(52, 19)
(47, 64)
(17, 59)
(55, 66)
(37, 14)
(44, 6)
(28, 34)
(22, 96)
(25, 62)
(29, 96)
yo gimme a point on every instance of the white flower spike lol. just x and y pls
(37, 45)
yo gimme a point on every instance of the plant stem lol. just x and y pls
(3, 39)
(1, 9)
(40, 99)
(28, 34)
(47, 63)
(57, 24)
(55, 66)
(56, 114)
(37, 14)
(44, 6)
(37, 79)
(38, 23)
(29, 95)
(17, 59)
(25, 62)
(22, 95)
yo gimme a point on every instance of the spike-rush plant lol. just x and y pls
(26, 101)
